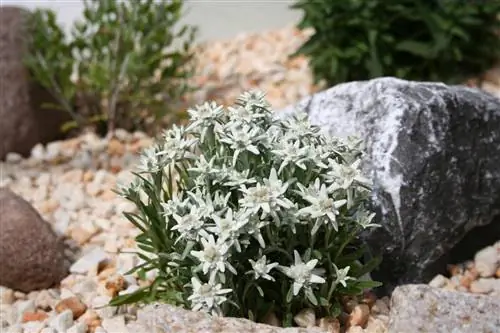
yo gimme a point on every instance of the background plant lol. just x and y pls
(129, 59)
(243, 214)
(437, 40)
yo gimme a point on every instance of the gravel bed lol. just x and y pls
(70, 183)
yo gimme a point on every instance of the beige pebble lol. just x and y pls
(439, 281)
(380, 307)
(377, 325)
(82, 235)
(329, 325)
(355, 329)
(359, 315)
(6, 296)
(486, 261)
(485, 285)
(305, 318)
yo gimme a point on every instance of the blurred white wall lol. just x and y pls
(216, 19)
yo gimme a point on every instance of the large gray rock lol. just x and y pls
(24, 122)
(433, 152)
(31, 254)
(420, 308)
(167, 318)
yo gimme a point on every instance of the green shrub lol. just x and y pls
(242, 214)
(424, 40)
(128, 72)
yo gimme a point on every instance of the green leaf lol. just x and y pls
(416, 48)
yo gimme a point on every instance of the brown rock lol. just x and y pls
(24, 122)
(74, 304)
(34, 316)
(31, 254)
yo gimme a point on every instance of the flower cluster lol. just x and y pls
(242, 211)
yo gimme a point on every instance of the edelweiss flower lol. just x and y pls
(205, 115)
(240, 139)
(229, 176)
(190, 225)
(229, 228)
(261, 268)
(323, 208)
(149, 161)
(207, 296)
(253, 100)
(302, 274)
(300, 127)
(290, 152)
(344, 175)
(203, 169)
(213, 257)
(341, 275)
(268, 196)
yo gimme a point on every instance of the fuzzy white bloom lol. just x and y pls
(253, 100)
(344, 175)
(267, 197)
(302, 274)
(240, 139)
(290, 152)
(322, 207)
(299, 126)
(229, 176)
(213, 257)
(342, 275)
(204, 170)
(149, 161)
(261, 268)
(207, 296)
(229, 227)
(190, 225)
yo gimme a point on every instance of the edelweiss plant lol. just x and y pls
(243, 214)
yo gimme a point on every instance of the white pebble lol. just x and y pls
(33, 327)
(115, 324)
(89, 261)
(439, 281)
(99, 329)
(45, 299)
(25, 306)
(129, 290)
(48, 330)
(15, 329)
(53, 150)
(13, 158)
(78, 328)
(38, 152)
(62, 321)
(486, 261)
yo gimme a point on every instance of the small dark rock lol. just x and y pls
(31, 255)
(420, 308)
(433, 153)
